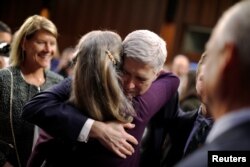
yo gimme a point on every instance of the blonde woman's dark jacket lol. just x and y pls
(23, 131)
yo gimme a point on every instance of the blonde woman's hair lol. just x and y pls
(31, 25)
(96, 85)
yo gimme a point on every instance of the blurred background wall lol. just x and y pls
(185, 24)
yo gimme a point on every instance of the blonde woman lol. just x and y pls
(33, 46)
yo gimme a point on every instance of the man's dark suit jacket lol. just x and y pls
(167, 133)
(178, 131)
(151, 148)
(235, 139)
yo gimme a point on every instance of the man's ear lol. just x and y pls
(231, 60)
(229, 71)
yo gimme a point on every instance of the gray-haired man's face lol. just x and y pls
(137, 77)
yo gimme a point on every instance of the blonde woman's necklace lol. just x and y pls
(31, 79)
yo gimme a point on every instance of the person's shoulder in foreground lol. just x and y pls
(228, 91)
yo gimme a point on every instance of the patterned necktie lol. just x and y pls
(198, 138)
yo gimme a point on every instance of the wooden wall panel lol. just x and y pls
(74, 18)
(122, 16)
(191, 10)
(14, 12)
(208, 14)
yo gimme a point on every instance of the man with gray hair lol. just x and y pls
(227, 69)
(144, 57)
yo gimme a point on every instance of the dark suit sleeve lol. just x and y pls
(51, 112)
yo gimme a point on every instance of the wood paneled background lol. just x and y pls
(74, 18)
(169, 18)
